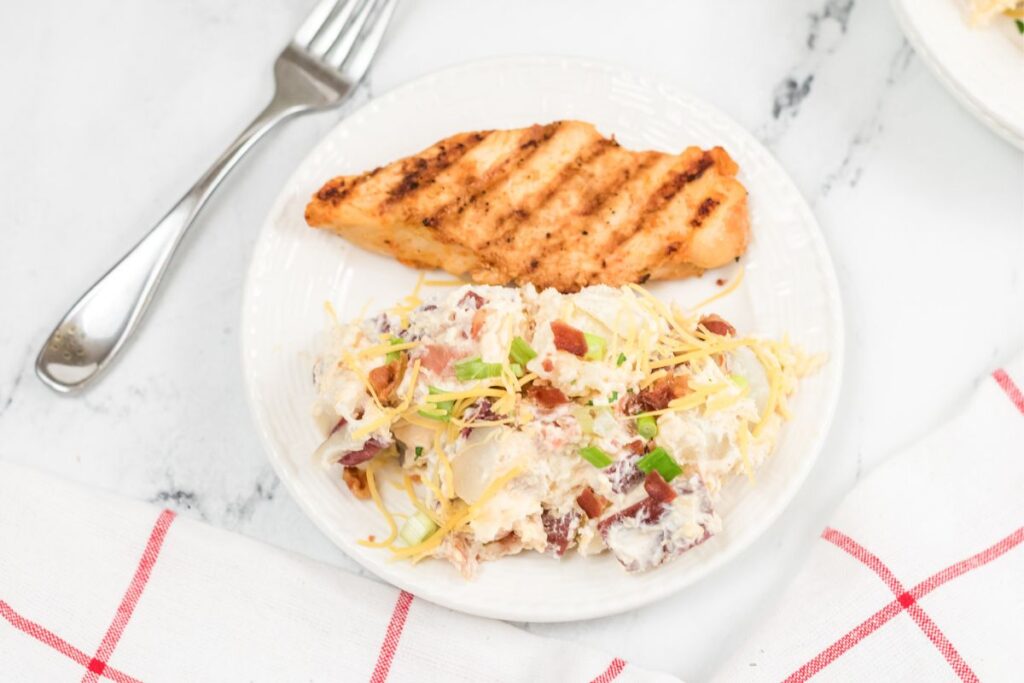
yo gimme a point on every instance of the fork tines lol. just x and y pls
(345, 34)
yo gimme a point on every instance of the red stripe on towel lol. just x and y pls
(391, 638)
(905, 600)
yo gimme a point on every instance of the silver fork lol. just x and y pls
(319, 68)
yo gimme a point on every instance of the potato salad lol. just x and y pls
(488, 421)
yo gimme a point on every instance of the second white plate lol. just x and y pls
(981, 66)
(790, 287)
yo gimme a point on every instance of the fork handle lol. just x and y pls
(95, 329)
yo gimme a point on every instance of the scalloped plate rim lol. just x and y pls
(595, 608)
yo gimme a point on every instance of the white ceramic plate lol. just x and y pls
(983, 67)
(790, 287)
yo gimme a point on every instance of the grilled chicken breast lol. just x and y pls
(558, 205)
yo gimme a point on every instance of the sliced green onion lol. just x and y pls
(394, 355)
(614, 397)
(1020, 26)
(419, 452)
(660, 460)
(475, 368)
(517, 369)
(595, 346)
(739, 380)
(595, 456)
(620, 360)
(647, 427)
(521, 352)
(440, 411)
(417, 529)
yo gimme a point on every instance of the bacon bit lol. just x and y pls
(636, 447)
(339, 425)
(547, 365)
(480, 411)
(436, 358)
(657, 396)
(386, 378)
(507, 544)
(546, 397)
(472, 300)
(369, 449)
(720, 281)
(478, 323)
(716, 324)
(355, 479)
(568, 338)
(658, 488)
(592, 503)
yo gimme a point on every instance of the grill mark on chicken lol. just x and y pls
(672, 187)
(661, 198)
(551, 205)
(423, 172)
(537, 201)
(705, 209)
(595, 196)
(336, 192)
(512, 199)
(634, 174)
(603, 195)
(588, 238)
(535, 139)
(556, 228)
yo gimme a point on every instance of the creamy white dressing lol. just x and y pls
(545, 443)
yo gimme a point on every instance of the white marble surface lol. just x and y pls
(112, 107)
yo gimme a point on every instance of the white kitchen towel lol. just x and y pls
(920, 575)
(95, 587)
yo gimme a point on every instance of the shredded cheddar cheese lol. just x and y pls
(458, 521)
(772, 368)
(652, 378)
(371, 470)
(332, 314)
(457, 395)
(743, 436)
(410, 303)
(725, 291)
(647, 340)
(441, 499)
(711, 350)
(692, 400)
(382, 349)
(384, 418)
(415, 500)
(725, 399)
